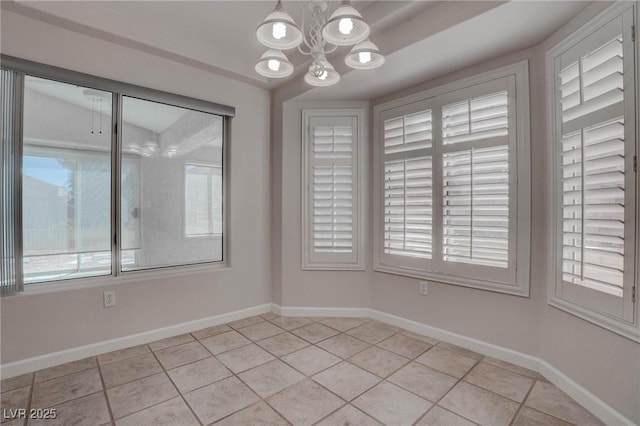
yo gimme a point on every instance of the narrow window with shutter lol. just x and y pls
(594, 145)
(332, 207)
(452, 176)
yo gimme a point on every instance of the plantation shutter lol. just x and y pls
(332, 199)
(408, 185)
(596, 146)
(475, 169)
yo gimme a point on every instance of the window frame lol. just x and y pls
(627, 328)
(119, 90)
(518, 283)
(354, 261)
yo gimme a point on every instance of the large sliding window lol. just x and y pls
(593, 152)
(109, 178)
(452, 178)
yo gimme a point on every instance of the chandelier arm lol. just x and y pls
(302, 51)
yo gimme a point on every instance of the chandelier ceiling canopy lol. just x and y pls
(344, 27)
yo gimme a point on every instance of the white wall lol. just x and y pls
(35, 324)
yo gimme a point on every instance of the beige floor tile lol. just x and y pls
(130, 369)
(66, 369)
(349, 416)
(423, 381)
(511, 367)
(220, 399)
(311, 360)
(283, 344)
(14, 400)
(63, 389)
(451, 362)
(176, 356)
(371, 332)
(466, 352)
(501, 381)
(170, 341)
(269, 316)
(123, 354)
(270, 378)
(244, 358)
(290, 323)
(245, 322)
(173, 412)
(378, 361)
(346, 380)
(342, 324)
(404, 345)
(421, 337)
(16, 382)
(89, 410)
(479, 405)
(260, 331)
(211, 331)
(258, 414)
(224, 342)
(14, 422)
(392, 405)
(143, 393)
(438, 416)
(198, 374)
(343, 345)
(549, 399)
(530, 417)
(315, 332)
(305, 403)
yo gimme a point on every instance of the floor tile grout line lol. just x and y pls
(30, 398)
(540, 411)
(515, 416)
(104, 391)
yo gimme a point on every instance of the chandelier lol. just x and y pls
(344, 27)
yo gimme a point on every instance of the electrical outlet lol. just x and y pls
(424, 288)
(109, 298)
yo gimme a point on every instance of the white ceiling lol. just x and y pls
(421, 39)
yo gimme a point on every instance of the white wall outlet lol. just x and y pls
(424, 288)
(109, 298)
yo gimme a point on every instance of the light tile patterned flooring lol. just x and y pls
(284, 370)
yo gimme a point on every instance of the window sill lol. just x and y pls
(521, 290)
(123, 278)
(619, 327)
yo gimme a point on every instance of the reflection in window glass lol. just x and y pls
(203, 200)
(177, 154)
(66, 181)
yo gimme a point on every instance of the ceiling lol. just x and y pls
(420, 39)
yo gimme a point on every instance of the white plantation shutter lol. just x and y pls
(331, 223)
(476, 206)
(448, 170)
(408, 186)
(595, 146)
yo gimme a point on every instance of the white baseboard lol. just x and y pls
(592, 403)
(29, 365)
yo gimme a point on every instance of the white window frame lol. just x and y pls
(515, 280)
(628, 326)
(353, 261)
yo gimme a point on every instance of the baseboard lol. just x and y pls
(29, 365)
(301, 311)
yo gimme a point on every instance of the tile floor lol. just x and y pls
(302, 371)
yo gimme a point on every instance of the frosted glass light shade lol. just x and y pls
(279, 30)
(274, 64)
(321, 74)
(345, 26)
(364, 56)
